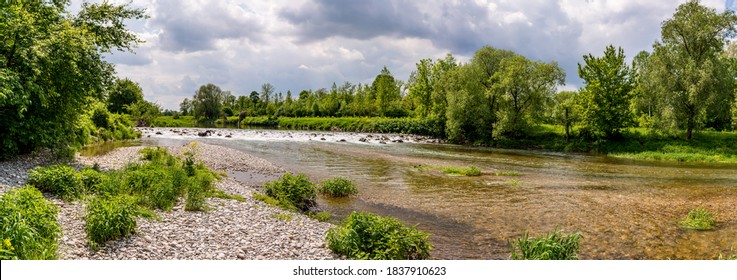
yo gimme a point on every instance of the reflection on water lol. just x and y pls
(106, 147)
(625, 209)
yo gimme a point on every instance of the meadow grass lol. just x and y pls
(283, 216)
(554, 246)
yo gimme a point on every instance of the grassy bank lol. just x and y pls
(636, 143)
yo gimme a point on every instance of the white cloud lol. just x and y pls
(309, 44)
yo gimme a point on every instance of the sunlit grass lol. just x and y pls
(507, 173)
(699, 218)
(555, 246)
(462, 171)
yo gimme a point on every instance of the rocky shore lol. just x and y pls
(230, 230)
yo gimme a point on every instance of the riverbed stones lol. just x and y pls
(229, 230)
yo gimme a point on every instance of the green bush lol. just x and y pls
(57, 179)
(320, 216)
(157, 155)
(699, 218)
(108, 218)
(555, 246)
(29, 229)
(338, 187)
(92, 179)
(367, 236)
(292, 192)
(197, 192)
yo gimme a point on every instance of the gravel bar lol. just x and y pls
(229, 230)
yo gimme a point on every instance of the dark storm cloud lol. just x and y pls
(190, 29)
(355, 19)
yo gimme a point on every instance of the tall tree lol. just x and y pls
(125, 92)
(687, 68)
(208, 101)
(605, 98)
(565, 112)
(525, 87)
(52, 65)
(267, 90)
(386, 91)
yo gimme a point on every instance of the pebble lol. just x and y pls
(230, 230)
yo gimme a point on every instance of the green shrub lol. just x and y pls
(197, 192)
(367, 236)
(59, 180)
(91, 179)
(320, 216)
(29, 229)
(338, 187)
(157, 154)
(555, 246)
(292, 192)
(699, 218)
(108, 218)
(101, 117)
(462, 171)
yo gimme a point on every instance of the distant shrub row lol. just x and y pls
(355, 124)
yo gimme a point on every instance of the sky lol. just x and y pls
(309, 44)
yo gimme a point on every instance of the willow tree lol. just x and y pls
(52, 67)
(688, 70)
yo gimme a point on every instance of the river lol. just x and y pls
(625, 209)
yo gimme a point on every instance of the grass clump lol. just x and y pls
(554, 246)
(699, 218)
(283, 216)
(370, 237)
(293, 192)
(513, 183)
(109, 217)
(338, 187)
(320, 216)
(265, 199)
(59, 180)
(220, 194)
(462, 171)
(91, 179)
(198, 190)
(29, 230)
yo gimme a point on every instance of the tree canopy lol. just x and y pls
(51, 66)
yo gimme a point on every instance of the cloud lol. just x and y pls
(197, 25)
(309, 44)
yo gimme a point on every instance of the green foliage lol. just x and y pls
(604, 101)
(367, 236)
(338, 187)
(687, 71)
(265, 199)
(52, 67)
(699, 218)
(462, 171)
(220, 194)
(101, 117)
(283, 216)
(92, 179)
(198, 190)
(144, 112)
(108, 218)
(59, 180)
(554, 246)
(124, 94)
(207, 102)
(182, 121)
(294, 192)
(320, 216)
(29, 230)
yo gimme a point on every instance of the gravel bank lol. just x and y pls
(230, 230)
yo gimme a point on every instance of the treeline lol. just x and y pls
(686, 84)
(54, 81)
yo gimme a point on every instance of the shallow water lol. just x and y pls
(625, 209)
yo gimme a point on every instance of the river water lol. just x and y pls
(625, 209)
